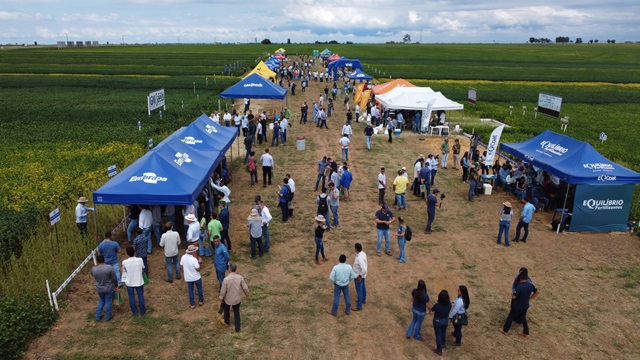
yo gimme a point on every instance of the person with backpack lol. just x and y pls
(323, 206)
(400, 233)
(284, 193)
(252, 168)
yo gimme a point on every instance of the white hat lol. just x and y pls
(192, 249)
(190, 217)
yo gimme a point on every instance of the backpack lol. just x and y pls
(252, 165)
(407, 234)
(323, 206)
(289, 195)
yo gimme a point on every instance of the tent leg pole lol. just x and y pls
(95, 223)
(566, 196)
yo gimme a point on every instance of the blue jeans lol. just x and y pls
(522, 224)
(283, 136)
(440, 328)
(147, 233)
(416, 127)
(535, 201)
(157, 229)
(132, 299)
(246, 157)
(318, 180)
(519, 194)
(336, 297)
(416, 324)
(334, 211)
(198, 284)
(403, 255)
(220, 275)
(265, 235)
(276, 139)
(106, 303)
(327, 219)
(431, 216)
(361, 292)
(170, 262)
(472, 188)
(319, 247)
(132, 226)
(504, 227)
(387, 245)
(401, 200)
(345, 154)
(116, 268)
(433, 175)
(368, 139)
(457, 332)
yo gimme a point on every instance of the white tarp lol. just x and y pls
(416, 98)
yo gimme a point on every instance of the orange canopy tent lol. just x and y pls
(388, 86)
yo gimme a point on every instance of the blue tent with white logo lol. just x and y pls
(358, 74)
(344, 63)
(255, 86)
(603, 189)
(175, 171)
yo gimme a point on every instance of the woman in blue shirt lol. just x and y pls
(441, 312)
(460, 306)
(419, 309)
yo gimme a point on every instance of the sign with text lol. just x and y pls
(549, 105)
(54, 216)
(111, 170)
(472, 95)
(155, 100)
(601, 208)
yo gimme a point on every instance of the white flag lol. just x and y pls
(492, 144)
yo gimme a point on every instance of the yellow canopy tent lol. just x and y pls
(264, 71)
(281, 51)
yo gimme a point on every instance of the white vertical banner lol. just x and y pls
(426, 116)
(492, 144)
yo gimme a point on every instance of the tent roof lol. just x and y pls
(359, 75)
(388, 86)
(280, 51)
(263, 70)
(175, 171)
(326, 51)
(334, 57)
(571, 160)
(255, 86)
(279, 56)
(416, 98)
(343, 62)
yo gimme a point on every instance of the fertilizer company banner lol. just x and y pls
(601, 208)
(492, 144)
(155, 100)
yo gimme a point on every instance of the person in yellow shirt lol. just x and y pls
(400, 187)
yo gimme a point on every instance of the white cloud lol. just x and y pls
(413, 17)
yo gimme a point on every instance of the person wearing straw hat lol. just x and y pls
(505, 222)
(190, 267)
(81, 215)
(193, 229)
(254, 223)
(319, 229)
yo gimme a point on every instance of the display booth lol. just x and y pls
(604, 189)
(359, 75)
(344, 63)
(263, 70)
(255, 86)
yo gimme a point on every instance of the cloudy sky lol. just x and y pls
(372, 21)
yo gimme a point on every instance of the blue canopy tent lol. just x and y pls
(604, 188)
(344, 63)
(172, 173)
(255, 86)
(359, 75)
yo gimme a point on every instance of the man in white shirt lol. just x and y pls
(357, 112)
(284, 125)
(170, 241)
(344, 144)
(227, 118)
(292, 188)
(144, 222)
(224, 190)
(346, 129)
(416, 175)
(186, 210)
(193, 231)
(191, 269)
(132, 269)
(360, 266)
(382, 186)
(267, 167)
(81, 215)
(265, 214)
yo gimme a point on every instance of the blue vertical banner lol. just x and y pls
(601, 208)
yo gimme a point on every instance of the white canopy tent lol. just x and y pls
(417, 98)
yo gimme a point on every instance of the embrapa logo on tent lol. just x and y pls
(210, 129)
(149, 178)
(190, 140)
(252, 85)
(608, 204)
(182, 158)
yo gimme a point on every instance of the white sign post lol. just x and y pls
(155, 100)
(54, 216)
(111, 170)
(603, 136)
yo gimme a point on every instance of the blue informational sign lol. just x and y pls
(112, 171)
(601, 208)
(54, 216)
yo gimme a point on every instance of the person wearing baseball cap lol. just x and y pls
(384, 218)
(81, 215)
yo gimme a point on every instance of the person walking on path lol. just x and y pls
(283, 203)
(170, 241)
(322, 201)
(106, 283)
(133, 269)
(344, 145)
(345, 183)
(267, 167)
(525, 219)
(383, 219)
(254, 223)
(368, 132)
(441, 311)
(505, 222)
(265, 217)
(341, 275)
(190, 267)
(432, 203)
(319, 229)
(522, 294)
(460, 306)
(400, 233)
(360, 267)
(420, 309)
(231, 292)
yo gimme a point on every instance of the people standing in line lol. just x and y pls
(224, 218)
(432, 203)
(133, 267)
(400, 233)
(360, 268)
(231, 292)
(220, 258)
(140, 246)
(110, 250)
(341, 275)
(190, 267)
(267, 167)
(170, 241)
(265, 217)
(368, 132)
(344, 145)
(505, 222)
(106, 283)
(522, 294)
(460, 307)
(525, 219)
(456, 154)
(254, 223)
(81, 215)
(283, 204)
(419, 309)
(319, 229)
(441, 311)
(444, 148)
(382, 186)
(383, 219)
